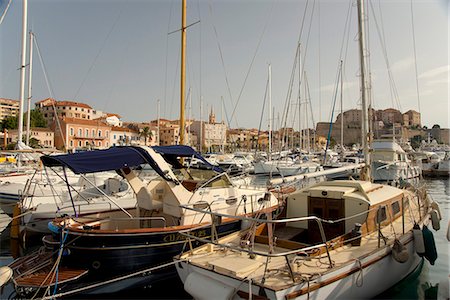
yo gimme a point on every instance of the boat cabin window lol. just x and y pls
(383, 155)
(381, 214)
(395, 208)
(219, 182)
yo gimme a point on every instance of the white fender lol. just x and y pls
(435, 206)
(399, 252)
(448, 231)
(5, 275)
(419, 244)
(435, 219)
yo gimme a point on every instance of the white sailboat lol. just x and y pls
(338, 240)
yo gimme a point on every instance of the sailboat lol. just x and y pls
(335, 240)
(106, 252)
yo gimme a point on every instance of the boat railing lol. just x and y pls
(247, 243)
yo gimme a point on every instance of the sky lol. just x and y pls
(124, 56)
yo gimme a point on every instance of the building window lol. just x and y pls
(107, 144)
(99, 133)
(93, 132)
(79, 143)
(80, 132)
(86, 143)
(71, 143)
(99, 143)
(87, 132)
(107, 133)
(71, 131)
(115, 137)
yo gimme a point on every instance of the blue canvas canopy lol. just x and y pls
(116, 158)
(171, 154)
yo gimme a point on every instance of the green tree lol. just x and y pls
(34, 143)
(37, 119)
(146, 133)
(10, 122)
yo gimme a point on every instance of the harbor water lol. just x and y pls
(425, 283)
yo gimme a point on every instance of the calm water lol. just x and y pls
(421, 285)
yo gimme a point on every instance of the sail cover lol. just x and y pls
(116, 158)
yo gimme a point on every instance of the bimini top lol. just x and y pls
(116, 158)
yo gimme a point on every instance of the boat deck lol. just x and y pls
(39, 270)
(275, 272)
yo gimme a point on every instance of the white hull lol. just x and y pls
(395, 172)
(379, 272)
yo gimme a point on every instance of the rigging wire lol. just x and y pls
(253, 59)
(167, 56)
(381, 36)
(415, 55)
(99, 51)
(222, 61)
(49, 87)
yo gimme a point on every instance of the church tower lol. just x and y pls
(212, 117)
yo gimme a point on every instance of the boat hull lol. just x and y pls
(365, 278)
(108, 256)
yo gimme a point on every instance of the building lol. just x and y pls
(169, 134)
(44, 136)
(213, 135)
(121, 136)
(69, 109)
(8, 108)
(413, 118)
(391, 116)
(81, 134)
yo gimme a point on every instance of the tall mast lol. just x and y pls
(158, 103)
(30, 75)
(22, 71)
(183, 70)
(270, 112)
(365, 117)
(342, 112)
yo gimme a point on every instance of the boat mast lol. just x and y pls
(22, 73)
(183, 70)
(270, 112)
(30, 74)
(365, 118)
(342, 112)
(158, 103)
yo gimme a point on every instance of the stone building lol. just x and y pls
(69, 109)
(8, 108)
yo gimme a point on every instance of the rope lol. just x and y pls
(360, 274)
(110, 281)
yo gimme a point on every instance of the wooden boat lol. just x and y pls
(111, 251)
(339, 239)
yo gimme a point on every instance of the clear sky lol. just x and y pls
(118, 57)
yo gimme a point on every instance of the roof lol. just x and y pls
(72, 103)
(113, 115)
(85, 122)
(64, 103)
(9, 100)
(123, 129)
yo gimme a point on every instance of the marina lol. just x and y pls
(351, 206)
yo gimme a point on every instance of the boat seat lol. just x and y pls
(146, 201)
